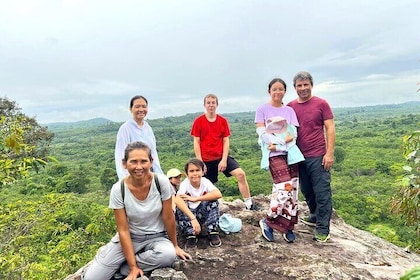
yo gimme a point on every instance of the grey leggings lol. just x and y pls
(153, 251)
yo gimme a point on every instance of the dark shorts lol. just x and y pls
(212, 168)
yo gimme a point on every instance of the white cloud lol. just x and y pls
(73, 60)
(371, 90)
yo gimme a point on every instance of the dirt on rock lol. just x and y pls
(349, 254)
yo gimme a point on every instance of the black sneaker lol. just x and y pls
(308, 221)
(321, 237)
(215, 240)
(191, 242)
(254, 207)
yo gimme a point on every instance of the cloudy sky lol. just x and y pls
(71, 60)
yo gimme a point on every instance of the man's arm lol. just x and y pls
(123, 138)
(328, 159)
(226, 146)
(197, 149)
(223, 162)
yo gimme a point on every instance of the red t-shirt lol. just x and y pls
(311, 116)
(211, 136)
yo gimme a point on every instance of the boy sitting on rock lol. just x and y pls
(201, 197)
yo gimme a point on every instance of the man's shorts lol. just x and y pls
(212, 168)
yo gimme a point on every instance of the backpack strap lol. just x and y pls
(157, 183)
(122, 190)
(155, 176)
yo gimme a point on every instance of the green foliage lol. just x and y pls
(412, 274)
(68, 228)
(108, 178)
(48, 236)
(23, 143)
(33, 135)
(406, 202)
(76, 181)
(339, 154)
(18, 154)
(384, 231)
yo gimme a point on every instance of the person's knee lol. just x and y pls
(165, 256)
(239, 174)
(95, 271)
(210, 205)
(168, 257)
(88, 276)
(106, 262)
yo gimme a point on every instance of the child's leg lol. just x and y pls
(208, 211)
(184, 222)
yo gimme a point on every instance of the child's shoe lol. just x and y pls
(289, 236)
(191, 242)
(266, 231)
(215, 240)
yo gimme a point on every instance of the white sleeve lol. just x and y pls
(123, 139)
(260, 130)
(115, 197)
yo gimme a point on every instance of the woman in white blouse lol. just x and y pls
(136, 129)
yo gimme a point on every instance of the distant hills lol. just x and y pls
(79, 124)
(341, 113)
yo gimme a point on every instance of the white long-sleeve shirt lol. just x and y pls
(130, 132)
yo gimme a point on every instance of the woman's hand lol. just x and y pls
(272, 147)
(289, 138)
(134, 273)
(182, 254)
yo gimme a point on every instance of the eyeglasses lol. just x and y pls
(177, 177)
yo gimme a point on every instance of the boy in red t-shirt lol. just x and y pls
(211, 145)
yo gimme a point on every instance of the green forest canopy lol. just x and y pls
(65, 204)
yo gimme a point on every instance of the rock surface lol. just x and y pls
(349, 254)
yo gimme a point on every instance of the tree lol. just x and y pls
(33, 135)
(339, 154)
(76, 181)
(14, 159)
(108, 178)
(23, 143)
(48, 237)
(407, 201)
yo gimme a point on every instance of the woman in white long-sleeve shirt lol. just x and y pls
(136, 129)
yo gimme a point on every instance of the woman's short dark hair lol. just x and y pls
(194, 161)
(275, 80)
(137, 146)
(137, 97)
